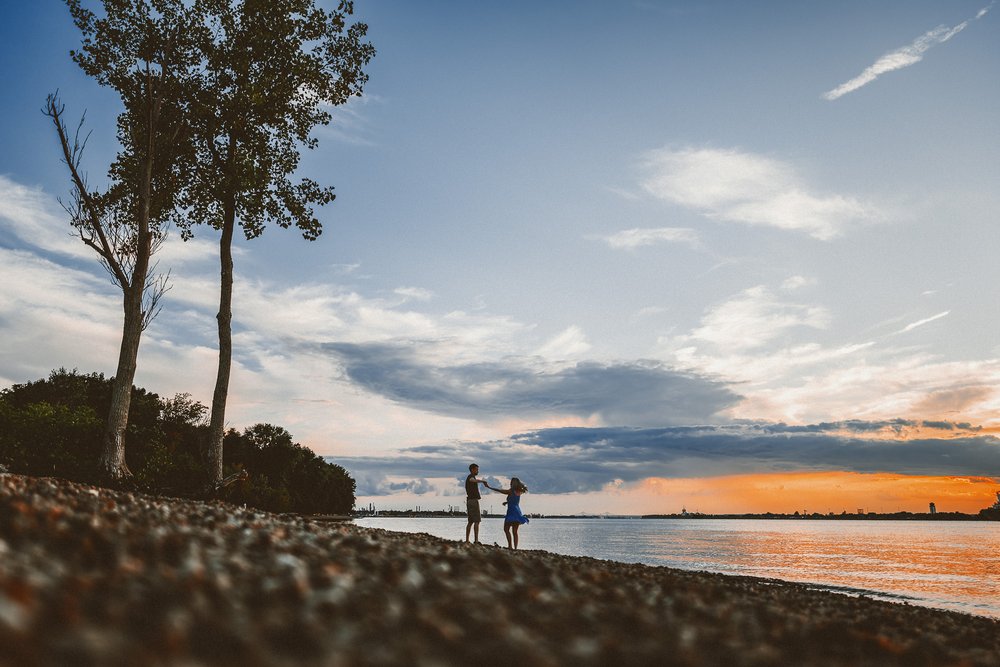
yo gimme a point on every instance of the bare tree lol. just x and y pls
(143, 51)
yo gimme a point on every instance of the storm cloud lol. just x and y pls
(641, 393)
(565, 460)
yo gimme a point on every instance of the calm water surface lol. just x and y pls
(949, 565)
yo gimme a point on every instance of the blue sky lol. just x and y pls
(565, 227)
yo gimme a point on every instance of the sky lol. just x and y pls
(645, 256)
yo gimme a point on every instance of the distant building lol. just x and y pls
(933, 508)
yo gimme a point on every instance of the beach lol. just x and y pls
(90, 576)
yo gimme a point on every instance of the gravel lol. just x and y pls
(90, 576)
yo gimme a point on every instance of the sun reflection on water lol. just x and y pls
(949, 565)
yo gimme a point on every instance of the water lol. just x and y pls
(947, 565)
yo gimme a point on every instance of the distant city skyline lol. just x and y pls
(739, 257)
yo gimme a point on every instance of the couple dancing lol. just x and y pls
(514, 518)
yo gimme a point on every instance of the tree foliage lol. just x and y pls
(271, 70)
(51, 427)
(144, 51)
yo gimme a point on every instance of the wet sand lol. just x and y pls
(93, 577)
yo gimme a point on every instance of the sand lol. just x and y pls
(90, 576)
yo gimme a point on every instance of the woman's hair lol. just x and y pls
(517, 485)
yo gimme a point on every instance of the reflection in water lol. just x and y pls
(951, 565)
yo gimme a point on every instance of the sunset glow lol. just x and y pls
(822, 492)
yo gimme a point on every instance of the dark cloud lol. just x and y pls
(417, 486)
(639, 393)
(372, 479)
(564, 460)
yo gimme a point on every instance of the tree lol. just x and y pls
(144, 51)
(51, 427)
(285, 476)
(271, 70)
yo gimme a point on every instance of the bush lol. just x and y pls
(284, 475)
(55, 427)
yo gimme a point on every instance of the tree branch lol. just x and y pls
(87, 210)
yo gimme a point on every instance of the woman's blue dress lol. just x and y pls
(514, 514)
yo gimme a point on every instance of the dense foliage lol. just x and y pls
(54, 427)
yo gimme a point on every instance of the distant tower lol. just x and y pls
(933, 508)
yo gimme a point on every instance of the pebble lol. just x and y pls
(90, 576)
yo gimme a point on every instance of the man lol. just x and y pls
(472, 502)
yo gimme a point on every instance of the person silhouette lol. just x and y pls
(472, 498)
(514, 517)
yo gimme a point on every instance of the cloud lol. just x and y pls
(796, 282)
(734, 186)
(755, 318)
(53, 316)
(622, 192)
(414, 293)
(776, 351)
(902, 57)
(954, 400)
(570, 343)
(920, 323)
(623, 393)
(36, 220)
(577, 460)
(630, 239)
(349, 123)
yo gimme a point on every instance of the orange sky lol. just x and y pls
(816, 492)
(822, 492)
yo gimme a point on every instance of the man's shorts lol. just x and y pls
(472, 509)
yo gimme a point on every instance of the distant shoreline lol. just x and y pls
(986, 515)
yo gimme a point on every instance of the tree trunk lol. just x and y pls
(225, 319)
(112, 465)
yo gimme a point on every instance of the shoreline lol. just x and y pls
(89, 575)
(896, 516)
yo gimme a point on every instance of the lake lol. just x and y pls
(947, 565)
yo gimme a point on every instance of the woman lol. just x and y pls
(514, 517)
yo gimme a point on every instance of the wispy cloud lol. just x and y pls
(779, 354)
(735, 186)
(414, 293)
(630, 239)
(920, 323)
(622, 192)
(797, 282)
(54, 316)
(904, 56)
(349, 123)
(570, 343)
(754, 318)
(36, 219)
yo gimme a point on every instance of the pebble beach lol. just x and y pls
(90, 576)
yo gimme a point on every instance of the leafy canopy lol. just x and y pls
(271, 71)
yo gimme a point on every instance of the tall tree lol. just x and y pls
(272, 69)
(144, 50)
